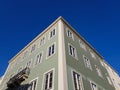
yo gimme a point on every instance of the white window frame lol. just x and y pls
(33, 48)
(74, 53)
(47, 53)
(51, 31)
(82, 44)
(81, 82)
(91, 82)
(92, 54)
(101, 62)
(87, 63)
(25, 54)
(68, 30)
(43, 42)
(29, 63)
(36, 83)
(98, 71)
(109, 80)
(44, 75)
(36, 59)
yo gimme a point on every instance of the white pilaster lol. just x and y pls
(62, 69)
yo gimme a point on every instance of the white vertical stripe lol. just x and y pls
(77, 81)
(48, 81)
(62, 72)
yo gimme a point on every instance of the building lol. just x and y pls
(59, 59)
(0, 80)
(115, 79)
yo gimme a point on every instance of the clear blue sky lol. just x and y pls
(98, 21)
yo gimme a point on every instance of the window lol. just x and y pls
(82, 45)
(42, 41)
(51, 50)
(33, 48)
(38, 58)
(52, 33)
(48, 81)
(72, 51)
(33, 85)
(109, 80)
(113, 80)
(87, 62)
(77, 81)
(98, 71)
(102, 63)
(69, 34)
(92, 54)
(25, 54)
(28, 64)
(93, 86)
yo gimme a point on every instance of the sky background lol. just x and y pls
(98, 21)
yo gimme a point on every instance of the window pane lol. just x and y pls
(70, 50)
(46, 82)
(50, 82)
(49, 51)
(73, 52)
(53, 49)
(77, 81)
(50, 34)
(34, 85)
(54, 32)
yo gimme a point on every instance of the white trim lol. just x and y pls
(102, 63)
(109, 80)
(23, 56)
(49, 38)
(85, 62)
(67, 29)
(62, 68)
(76, 56)
(30, 64)
(36, 82)
(98, 70)
(43, 80)
(36, 58)
(47, 57)
(44, 36)
(92, 54)
(33, 47)
(82, 44)
(82, 88)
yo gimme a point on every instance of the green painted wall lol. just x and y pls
(79, 66)
(39, 69)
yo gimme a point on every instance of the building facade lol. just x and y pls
(0, 80)
(115, 79)
(59, 59)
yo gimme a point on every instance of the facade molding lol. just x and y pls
(62, 69)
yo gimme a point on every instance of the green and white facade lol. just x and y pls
(60, 59)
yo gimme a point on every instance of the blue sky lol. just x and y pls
(98, 21)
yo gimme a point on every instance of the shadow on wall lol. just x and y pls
(21, 87)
